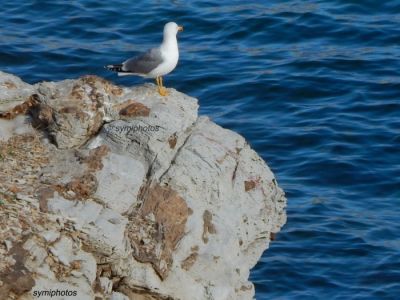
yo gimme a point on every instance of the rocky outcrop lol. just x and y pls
(118, 193)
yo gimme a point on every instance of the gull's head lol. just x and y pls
(172, 28)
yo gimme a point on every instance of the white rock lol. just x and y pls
(71, 194)
(82, 212)
(147, 138)
(50, 235)
(209, 172)
(76, 274)
(107, 234)
(88, 265)
(8, 245)
(118, 296)
(181, 212)
(119, 182)
(64, 290)
(13, 90)
(106, 285)
(62, 250)
(19, 125)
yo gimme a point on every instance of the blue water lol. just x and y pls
(314, 86)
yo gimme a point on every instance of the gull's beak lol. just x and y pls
(180, 28)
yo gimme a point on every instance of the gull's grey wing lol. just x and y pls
(143, 63)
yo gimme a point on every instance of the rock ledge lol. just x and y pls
(118, 193)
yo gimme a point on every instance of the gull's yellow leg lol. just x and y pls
(162, 90)
(158, 83)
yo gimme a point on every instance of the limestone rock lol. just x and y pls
(13, 91)
(119, 193)
(122, 176)
(74, 110)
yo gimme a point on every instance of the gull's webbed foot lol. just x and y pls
(163, 91)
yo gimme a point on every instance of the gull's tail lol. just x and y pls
(115, 68)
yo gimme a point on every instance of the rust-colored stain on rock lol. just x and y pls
(208, 226)
(77, 92)
(14, 189)
(157, 227)
(109, 88)
(22, 157)
(76, 111)
(69, 110)
(96, 124)
(189, 261)
(249, 185)
(83, 186)
(95, 82)
(44, 194)
(21, 109)
(76, 264)
(44, 115)
(132, 108)
(95, 157)
(17, 279)
(9, 85)
(172, 140)
(246, 288)
(142, 293)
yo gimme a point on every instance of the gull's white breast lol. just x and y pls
(170, 55)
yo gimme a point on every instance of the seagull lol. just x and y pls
(156, 62)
